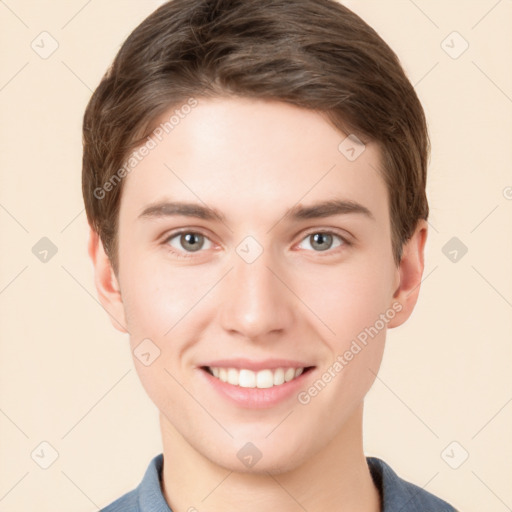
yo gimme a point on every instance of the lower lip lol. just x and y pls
(257, 398)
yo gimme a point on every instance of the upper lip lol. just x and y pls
(241, 363)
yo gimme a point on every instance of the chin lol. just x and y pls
(273, 464)
(259, 457)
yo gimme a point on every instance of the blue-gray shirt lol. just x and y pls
(397, 495)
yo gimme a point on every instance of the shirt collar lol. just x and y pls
(150, 496)
(399, 495)
(396, 494)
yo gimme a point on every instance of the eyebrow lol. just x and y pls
(328, 208)
(317, 210)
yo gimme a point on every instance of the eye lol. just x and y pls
(322, 241)
(184, 243)
(188, 242)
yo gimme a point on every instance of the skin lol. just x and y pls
(252, 160)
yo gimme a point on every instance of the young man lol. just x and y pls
(254, 178)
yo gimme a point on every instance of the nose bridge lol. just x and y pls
(255, 302)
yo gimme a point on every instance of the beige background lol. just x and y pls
(66, 376)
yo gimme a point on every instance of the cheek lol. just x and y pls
(354, 305)
(158, 305)
(348, 299)
(157, 296)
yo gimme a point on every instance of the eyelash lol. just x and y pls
(185, 255)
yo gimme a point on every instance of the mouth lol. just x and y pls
(261, 379)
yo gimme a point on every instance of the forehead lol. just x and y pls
(258, 156)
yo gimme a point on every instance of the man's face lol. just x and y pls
(257, 285)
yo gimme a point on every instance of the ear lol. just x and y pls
(106, 282)
(410, 272)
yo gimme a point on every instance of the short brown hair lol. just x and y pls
(314, 54)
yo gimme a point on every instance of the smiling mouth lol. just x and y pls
(245, 378)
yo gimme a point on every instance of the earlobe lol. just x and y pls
(106, 282)
(410, 274)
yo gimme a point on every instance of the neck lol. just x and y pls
(336, 478)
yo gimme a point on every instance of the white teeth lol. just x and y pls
(278, 377)
(289, 374)
(232, 376)
(262, 379)
(246, 378)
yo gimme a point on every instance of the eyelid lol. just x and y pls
(344, 235)
(189, 229)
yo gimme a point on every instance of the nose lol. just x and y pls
(255, 302)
